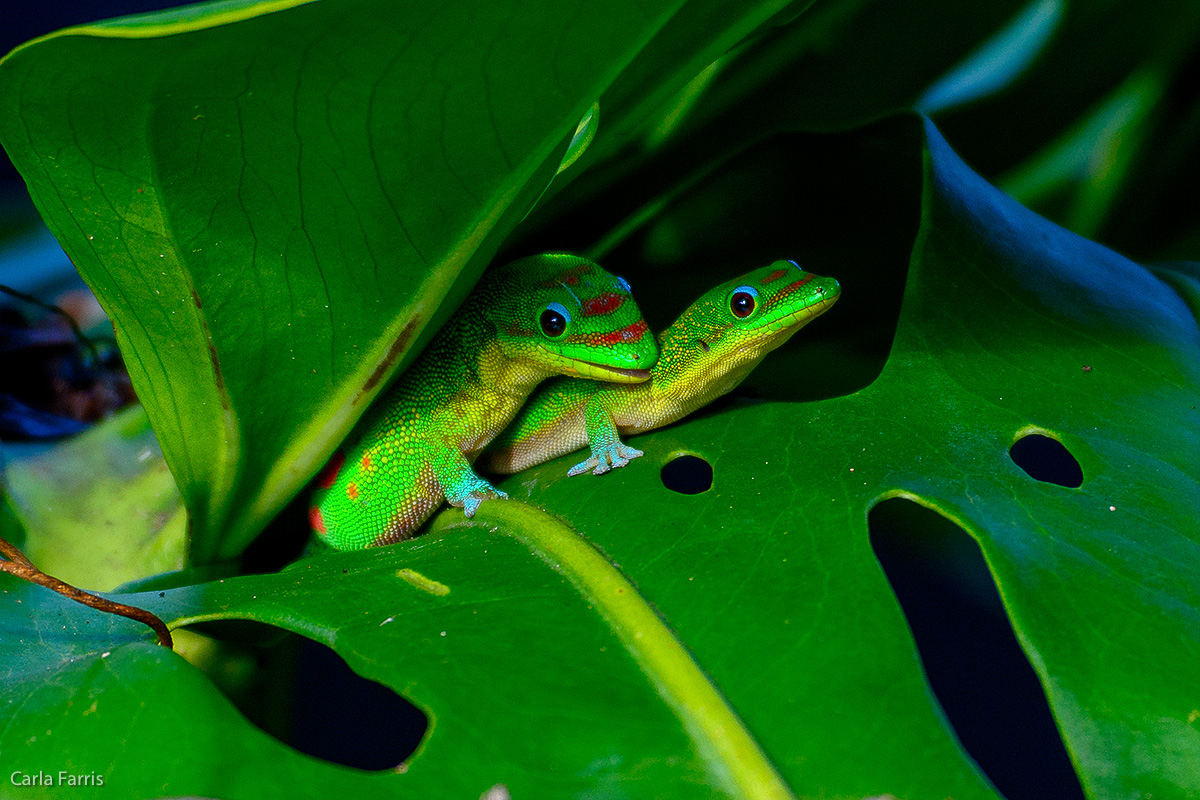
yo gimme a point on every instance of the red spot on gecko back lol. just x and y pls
(366, 461)
(603, 304)
(774, 276)
(352, 491)
(330, 473)
(630, 333)
(316, 521)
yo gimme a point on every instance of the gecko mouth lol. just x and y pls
(803, 315)
(779, 330)
(637, 374)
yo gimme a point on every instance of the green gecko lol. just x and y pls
(531, 319)
(708, 351)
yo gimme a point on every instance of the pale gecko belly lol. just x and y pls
(538, 445)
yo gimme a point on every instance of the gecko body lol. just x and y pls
(531, 319)
(706, 352)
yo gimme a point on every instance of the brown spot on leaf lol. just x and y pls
(394, 353)
(218, 375)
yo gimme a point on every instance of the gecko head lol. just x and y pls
(740, 321)
(570, 317)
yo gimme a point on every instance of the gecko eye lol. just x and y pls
(743, 301)
(554, 320)
(624, 284)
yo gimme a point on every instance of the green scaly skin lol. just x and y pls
(416, 450)
(705, 353)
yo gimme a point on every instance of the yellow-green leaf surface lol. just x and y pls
(101, 509)
(608, 637)
(272, 200)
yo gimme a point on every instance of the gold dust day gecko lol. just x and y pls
(705, 353)
(526, 321)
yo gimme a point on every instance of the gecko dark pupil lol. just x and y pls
(553, 323)
(742, 304)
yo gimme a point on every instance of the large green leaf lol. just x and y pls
(630, 641)
(273, 199)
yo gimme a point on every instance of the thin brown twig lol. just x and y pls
(17, 564)
(80, 336)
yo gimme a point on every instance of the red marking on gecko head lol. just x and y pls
(330, 473)
(774, 276)
(316, 521)
(569, 277)
(630, 333)
(791, 287)
(603, 304)
(351, 491)
(366, 461)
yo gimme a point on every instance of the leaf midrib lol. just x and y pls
(730, 751)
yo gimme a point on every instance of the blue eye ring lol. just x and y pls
(743, 301)
(554, 320)
(624, 284)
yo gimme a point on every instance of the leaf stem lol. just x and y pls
(735, 759)
(15, 563)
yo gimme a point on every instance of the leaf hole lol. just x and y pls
(303, 694)
(1046, 459)
(974, 665)
(687, 475)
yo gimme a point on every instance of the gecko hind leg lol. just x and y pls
(469, 493)
(464, 489)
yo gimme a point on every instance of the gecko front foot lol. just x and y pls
(604, 459)
(469, 496)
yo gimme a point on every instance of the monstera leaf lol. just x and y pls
(279, 203)
(611, 637)
(273, 199)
